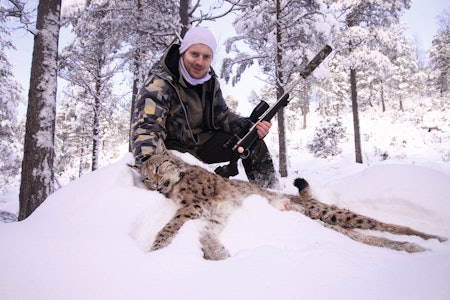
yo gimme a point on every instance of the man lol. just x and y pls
(181, 102)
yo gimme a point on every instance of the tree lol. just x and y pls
(37, 180)
(10, 138)
(332, 95)
(360, 43)
(326, 138)
(91, 62)
(281, 37)
(73, 134)
(139, 26)
(440, 55)
(15, 9)
(406, 78)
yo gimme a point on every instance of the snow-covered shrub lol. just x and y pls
(326, 138)
(445, 155)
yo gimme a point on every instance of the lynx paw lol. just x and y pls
(160, 243)
(214, 250)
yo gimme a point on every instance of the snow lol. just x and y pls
(89, 240)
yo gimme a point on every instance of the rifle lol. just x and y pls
(247, 135)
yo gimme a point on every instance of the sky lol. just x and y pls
(421, 19)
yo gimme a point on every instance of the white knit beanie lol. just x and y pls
(198, 35)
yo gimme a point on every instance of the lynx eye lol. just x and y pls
(145, 179)
(166, 183)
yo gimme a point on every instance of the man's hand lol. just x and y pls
(263, 128)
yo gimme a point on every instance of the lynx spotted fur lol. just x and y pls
(200, 194)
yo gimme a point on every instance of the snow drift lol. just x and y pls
(89, 240)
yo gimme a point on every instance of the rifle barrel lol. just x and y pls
(248, 139)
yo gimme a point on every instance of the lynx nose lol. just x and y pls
(163, 186)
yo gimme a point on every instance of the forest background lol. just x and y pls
(106, 48)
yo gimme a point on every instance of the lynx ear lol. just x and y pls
(135, 167)
(160, 147)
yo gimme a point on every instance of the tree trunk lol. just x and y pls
(305, 104)
(184, 15)
(280, 92)
(357, 133)
(304, 111)
(81, 165)
(96, 131)
(37, 181)
(370, 94)
(383, 105)
(353, 90)
(135, 88)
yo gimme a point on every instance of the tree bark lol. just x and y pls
(96, 130)
(357, 133)
(280, 92)
(353, 91)
(37, 180)
(383, 104)
(135, 90)
(136, 82)
(305, 105)
(184, 16)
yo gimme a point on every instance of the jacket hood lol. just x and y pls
(169, 63)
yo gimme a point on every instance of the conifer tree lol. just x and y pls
(360, 43)
(37, 181)
(11, 97)
(90, 63)
(440, 56)
(281, 36)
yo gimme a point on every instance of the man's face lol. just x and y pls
(197, 60)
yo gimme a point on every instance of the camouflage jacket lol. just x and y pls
(183, 115)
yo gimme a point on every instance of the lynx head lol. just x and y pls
(162, 170)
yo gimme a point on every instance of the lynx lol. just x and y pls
(203, 195)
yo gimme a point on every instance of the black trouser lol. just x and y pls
(258, 165)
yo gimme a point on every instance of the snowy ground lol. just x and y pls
(89, 239)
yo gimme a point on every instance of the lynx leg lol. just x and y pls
(211, 246)
(377, 241)
(347, 219)
(403, 230)
(166, 235)
(339, 225)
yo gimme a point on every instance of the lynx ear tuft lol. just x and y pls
(160, 147)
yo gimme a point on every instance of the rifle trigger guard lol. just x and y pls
(245, 154)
